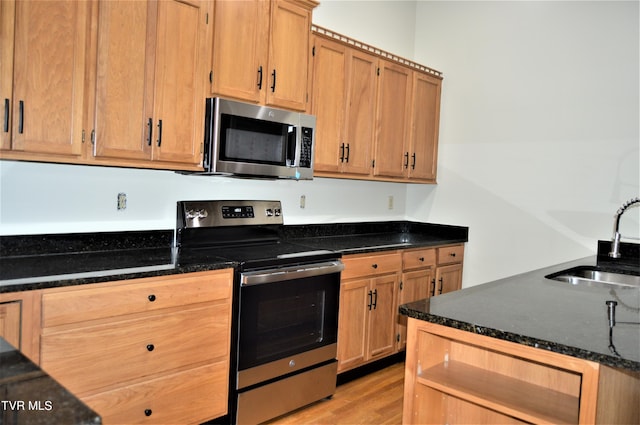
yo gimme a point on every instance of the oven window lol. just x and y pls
(255, 141)
(285, 318)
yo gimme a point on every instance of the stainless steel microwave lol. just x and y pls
(252, 140)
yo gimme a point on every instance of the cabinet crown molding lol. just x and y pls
(375, 50)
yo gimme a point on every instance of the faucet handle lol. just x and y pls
(615, 246)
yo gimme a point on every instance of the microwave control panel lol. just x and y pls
(307, 147)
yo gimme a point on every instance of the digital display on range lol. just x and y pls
(237, 212)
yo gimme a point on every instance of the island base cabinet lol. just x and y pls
(457, 377)
(452, 410)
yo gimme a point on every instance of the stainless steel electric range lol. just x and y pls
(284, 332)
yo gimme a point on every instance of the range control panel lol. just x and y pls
(230, 213)
(237, 212)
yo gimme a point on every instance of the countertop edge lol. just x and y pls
(419, 310)
(47, 282)
(522, 340)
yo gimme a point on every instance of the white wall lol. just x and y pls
(52, 198)
(388, 25)
(539, 127)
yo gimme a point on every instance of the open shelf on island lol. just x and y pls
(503, 394)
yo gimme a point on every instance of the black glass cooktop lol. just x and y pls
(258, 255)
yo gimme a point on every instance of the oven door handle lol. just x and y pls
(290, 273)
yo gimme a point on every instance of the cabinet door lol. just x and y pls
(288, 55)
(240, 51)
(382, 324)
(352, 323)
(414, 286)
(180, 73)
(10, 322)
(448, 278)
(394, 95)
(124, 81)
(425, 121)
(49, 76)
(7, 31)
(329, 72)
(360, 112)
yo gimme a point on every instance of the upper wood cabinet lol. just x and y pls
(104, 82)
(377, 114)
(408, 123)
(425, 124)
(274, 41)
(392, 118)
(42, 77)
(150, 80)
(344, 88)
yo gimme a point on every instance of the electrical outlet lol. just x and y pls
(122, 201)
(390, 202)
(303, 201)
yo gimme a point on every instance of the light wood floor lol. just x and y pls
(373, 399)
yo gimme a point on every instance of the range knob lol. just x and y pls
(194, 214)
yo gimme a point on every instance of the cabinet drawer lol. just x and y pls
(417, 258)
(450, 254)
(86, 359)
(367, 265)
(193, 396)
(72, 305)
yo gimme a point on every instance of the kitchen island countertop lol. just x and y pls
(30, 396)
(552, 315)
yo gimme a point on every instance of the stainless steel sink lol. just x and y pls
(592, 274)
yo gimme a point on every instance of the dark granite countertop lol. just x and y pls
(46, 261)
(30, 396)
(355, 238)
(543, 313)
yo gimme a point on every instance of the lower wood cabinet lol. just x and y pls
(153, 350)
(418, 280)
(175, 398)
(19, 313)
(458, 377)
(374, 285)
(448, 273)
(10, 322)
(368, 304)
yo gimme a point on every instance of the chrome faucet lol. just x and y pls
(615, 241)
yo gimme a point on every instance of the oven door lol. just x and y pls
(288, 320)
